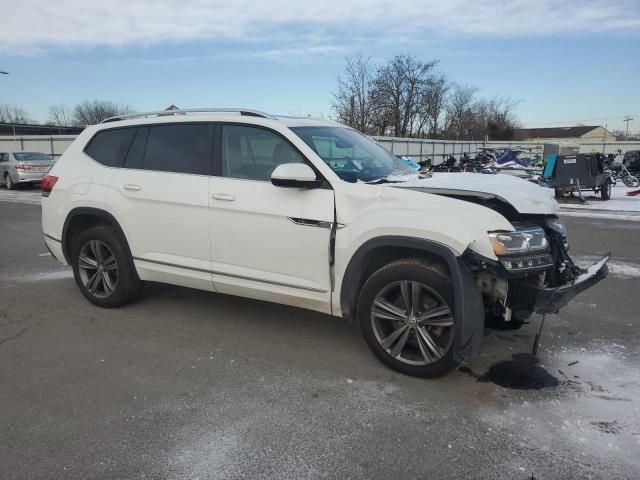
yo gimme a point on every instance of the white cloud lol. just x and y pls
(39, 25)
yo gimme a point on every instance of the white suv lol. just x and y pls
(312, 214)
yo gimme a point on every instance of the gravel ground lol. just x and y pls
(188, 384)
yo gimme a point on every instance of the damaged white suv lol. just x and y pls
(312, 214)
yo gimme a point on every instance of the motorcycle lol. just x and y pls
(449, 165)
(619, 172)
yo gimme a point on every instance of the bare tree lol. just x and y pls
(408, 97)
(459, 111)
(401, 84)
(353, 102)
(432, 106)
(502, 120)
(60, 116)
(92, 112)
(13, 114)
(468, 118)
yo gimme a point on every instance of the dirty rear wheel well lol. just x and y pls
(82, 219)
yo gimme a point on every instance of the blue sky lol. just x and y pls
(565, 61)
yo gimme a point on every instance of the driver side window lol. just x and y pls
(253, 153)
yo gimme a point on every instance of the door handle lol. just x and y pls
(135, 188)
(225, 197)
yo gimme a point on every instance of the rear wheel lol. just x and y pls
(8, 181)
(605, 191)
(405, 313)
(103, 268)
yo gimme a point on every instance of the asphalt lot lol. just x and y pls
(189, 384)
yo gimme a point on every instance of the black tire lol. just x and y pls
(438, 290)
(605, 191)
(631, 181)
(127, 284)
(8, 182)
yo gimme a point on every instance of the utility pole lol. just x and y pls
(626, 120)
(15, 139)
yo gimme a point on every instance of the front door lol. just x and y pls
(268, 242)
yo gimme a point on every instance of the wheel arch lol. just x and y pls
(468, 306)
(81, 218)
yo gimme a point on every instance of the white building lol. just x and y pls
(566, 134)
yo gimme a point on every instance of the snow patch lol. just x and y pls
(619, 202)
(600, 215)
(28, 197)
(578, 422)
(39, 276)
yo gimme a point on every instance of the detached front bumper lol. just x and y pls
(551, 300)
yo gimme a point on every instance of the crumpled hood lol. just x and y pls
(524, 196)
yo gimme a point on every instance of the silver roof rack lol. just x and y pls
(162, 113)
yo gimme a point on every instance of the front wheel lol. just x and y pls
(630, 181)
(405, 314)
(605, 191)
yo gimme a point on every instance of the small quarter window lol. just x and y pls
(109, 147)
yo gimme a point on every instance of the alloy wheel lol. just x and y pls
(98, 268)
(412, 322)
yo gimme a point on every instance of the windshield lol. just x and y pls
(352, 155)
(32, 157)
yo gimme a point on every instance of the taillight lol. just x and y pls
(47, 184)
(23, 166)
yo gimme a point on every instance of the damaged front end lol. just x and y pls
(531, 270)
(533, 273)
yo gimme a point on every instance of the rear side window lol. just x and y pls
(182, 148)
(32, 157)
(109, 147)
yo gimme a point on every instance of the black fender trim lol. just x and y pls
(94, 212)
(468, 307)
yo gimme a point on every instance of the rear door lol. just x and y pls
(160, 196)
(267, 242)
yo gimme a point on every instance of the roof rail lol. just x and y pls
(160, 113)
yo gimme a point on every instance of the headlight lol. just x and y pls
(522, 241)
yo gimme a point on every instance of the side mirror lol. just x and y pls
(295, 175)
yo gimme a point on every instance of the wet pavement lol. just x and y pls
(188, 384)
